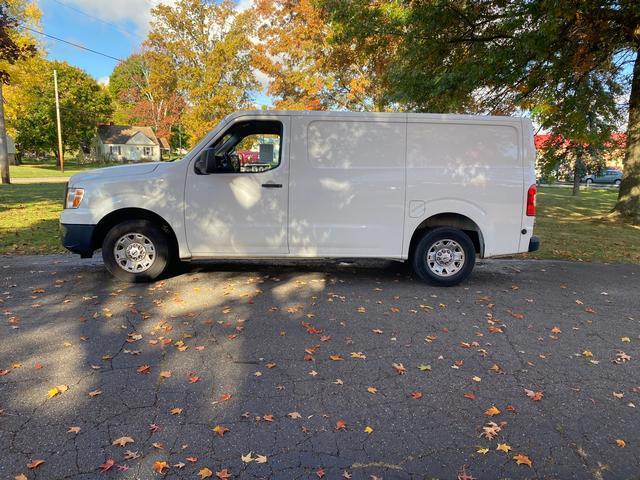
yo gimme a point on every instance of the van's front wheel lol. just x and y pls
(444, 256)
(136, 251)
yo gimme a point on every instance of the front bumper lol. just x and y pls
(78, 238)
(534, 243)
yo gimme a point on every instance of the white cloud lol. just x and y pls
(137, 12)
(122, 12)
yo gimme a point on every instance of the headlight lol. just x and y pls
(74, 197)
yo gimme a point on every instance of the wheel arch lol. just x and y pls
(449, 219)
(117, 216)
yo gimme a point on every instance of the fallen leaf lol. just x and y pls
(492, 411)
(416, 395)
(483, 450)
(95, 393)
(175, 411)
(521, 459)
(108, 463)
(220, 430)
(320, 472)
(372, 390)
(359, 355)
(22, 476)
(57, 390)
(144, 369)
(223, 474)
(535, 396)
(341, 425)
(205, 473)
(503, 447)
(129, 455)
(247, 458)
(621, 443)
(399, 368)
(294, 415)
(424, 368)
(160, 466)
(165, 374)
(470, 395)
(34, 464)
(73, 430)
(122, 441)
(490, 430)
(260, 459)
(368, 429)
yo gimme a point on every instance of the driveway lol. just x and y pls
(320, 370)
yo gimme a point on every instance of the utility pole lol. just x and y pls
(4, 153)
(60, 154)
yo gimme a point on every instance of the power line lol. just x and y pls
(106, 22)
(73, 44)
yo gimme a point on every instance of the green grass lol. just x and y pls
(29, 216)
(47, 170)
(571, 228)
(576, 228)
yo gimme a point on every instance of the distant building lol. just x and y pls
(165, 146)
(123, 143)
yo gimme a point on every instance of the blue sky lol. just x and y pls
(113, 27)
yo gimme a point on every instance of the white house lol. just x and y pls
(122, 143)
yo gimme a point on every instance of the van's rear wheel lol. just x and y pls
(136, 251)
(444, 256)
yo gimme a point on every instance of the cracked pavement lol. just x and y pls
(65, 321)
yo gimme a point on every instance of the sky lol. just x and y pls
(113, 27)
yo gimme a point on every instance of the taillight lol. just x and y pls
(531, 201)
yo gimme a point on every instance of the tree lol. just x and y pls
(307, 71)
(14, 47)
(144, 89)
(565, 62)
(208, 47)
(83, 104)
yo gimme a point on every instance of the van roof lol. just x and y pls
(390, 115)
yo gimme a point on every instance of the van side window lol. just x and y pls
(246, 147)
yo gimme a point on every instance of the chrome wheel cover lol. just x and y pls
(445, 258)
(134, 252)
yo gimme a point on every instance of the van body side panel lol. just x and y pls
(472, 168)
(347, 186)
(529, 178)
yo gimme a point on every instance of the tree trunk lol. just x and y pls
(4, 154)
(628, 205)
(578, 170)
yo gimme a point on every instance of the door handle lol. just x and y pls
(271, 185)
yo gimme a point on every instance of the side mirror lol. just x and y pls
(206, 162)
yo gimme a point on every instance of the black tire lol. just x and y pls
(588, 181)
(158, 239)
(430, 239)
(617, 182)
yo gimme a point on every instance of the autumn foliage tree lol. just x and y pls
(208, 48)
(144, 89)
(565, 62)
(307, 70)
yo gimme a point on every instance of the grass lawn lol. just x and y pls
(49, 170)
(569, 228)
(29, 217)
(574, 228)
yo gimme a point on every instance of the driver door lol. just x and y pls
(236, 192)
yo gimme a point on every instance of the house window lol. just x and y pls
(115, 149)
(148, 151)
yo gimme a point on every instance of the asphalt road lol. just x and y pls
(296, 361)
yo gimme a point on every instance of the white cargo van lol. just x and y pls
(437, 190)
